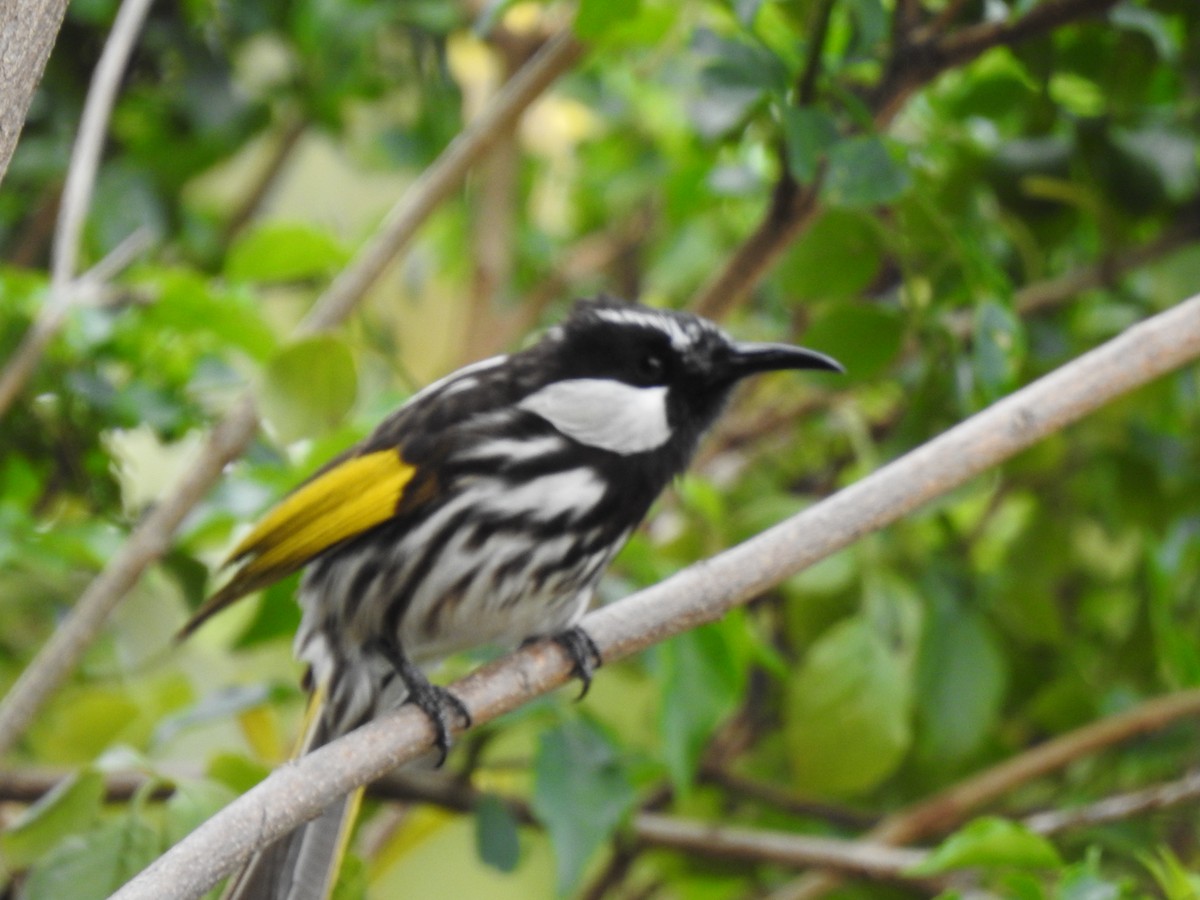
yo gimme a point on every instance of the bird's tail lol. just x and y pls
(303, 864)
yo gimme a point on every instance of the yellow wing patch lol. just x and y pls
(354, 495)
(358, 493)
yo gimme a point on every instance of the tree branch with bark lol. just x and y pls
(697, 595)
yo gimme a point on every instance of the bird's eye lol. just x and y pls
(651, 368)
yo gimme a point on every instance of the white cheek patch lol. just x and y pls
(603, 413)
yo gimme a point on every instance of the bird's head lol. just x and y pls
(630, 379)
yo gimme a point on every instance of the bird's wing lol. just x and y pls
(345, 499)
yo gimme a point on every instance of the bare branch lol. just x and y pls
(285, 145)
(76, 198)
(27, 33)
(781, 798)
(151, 539)
(762, 845)
(706, 591)
(1119, 807)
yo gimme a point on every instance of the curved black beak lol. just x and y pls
(748, 359)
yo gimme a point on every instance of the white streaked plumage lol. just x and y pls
(460, 379)
(677, 331)
(603, 413)
(513, 449)
(574, 491)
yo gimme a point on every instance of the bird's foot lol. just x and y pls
(444, 710)
(442, 707)
(584, 653)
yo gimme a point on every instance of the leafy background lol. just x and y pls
(1016, 211)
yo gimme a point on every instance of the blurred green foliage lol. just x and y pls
(260, 144)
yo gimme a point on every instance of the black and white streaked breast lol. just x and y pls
(545, 462)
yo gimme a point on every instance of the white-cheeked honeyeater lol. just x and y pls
(483, 511)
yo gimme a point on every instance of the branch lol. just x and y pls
(780, 798)
(27, 33)
(758, 845)
(152, 537)
(285, 145)
(865, 858)
(949, 808)
(751, 425)
(440, 180)
(1119, 806)
(701, 593)
(912, 66)
(76, 199)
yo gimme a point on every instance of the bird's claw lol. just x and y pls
(584, 654)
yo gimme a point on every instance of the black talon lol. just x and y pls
(584, 653)
(438, 704)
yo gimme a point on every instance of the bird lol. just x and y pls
(481, 512)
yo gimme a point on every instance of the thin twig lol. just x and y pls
(76, 199)
(783, 799)
(439, 181)
(760, 845)
(494, 222)
(703, 593)
(1119, 807)
(285, 145)
(806, 87)
(151, 539)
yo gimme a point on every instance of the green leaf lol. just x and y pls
(496, 834)
(596, 17)
(961, 678)
(1172, 877)
(863, 173)
(95, 864)
(865, 339)
(237, 772)
(998, 349)
(283, 251)
(809, 132)
(702, 683)
(838, 257)
(1153, 25)
(990, 842)
(735, 79)
(82, 722)
(581, 794)
(848, 712)
(308, 388)
(188, 304)
(69, 807)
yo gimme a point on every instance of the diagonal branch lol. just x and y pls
(76, 199)
(1119, 807)
(949, 808)
(152, 538)
(699, 594)
(913, 65)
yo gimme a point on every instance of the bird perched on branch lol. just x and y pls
(483, 511)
